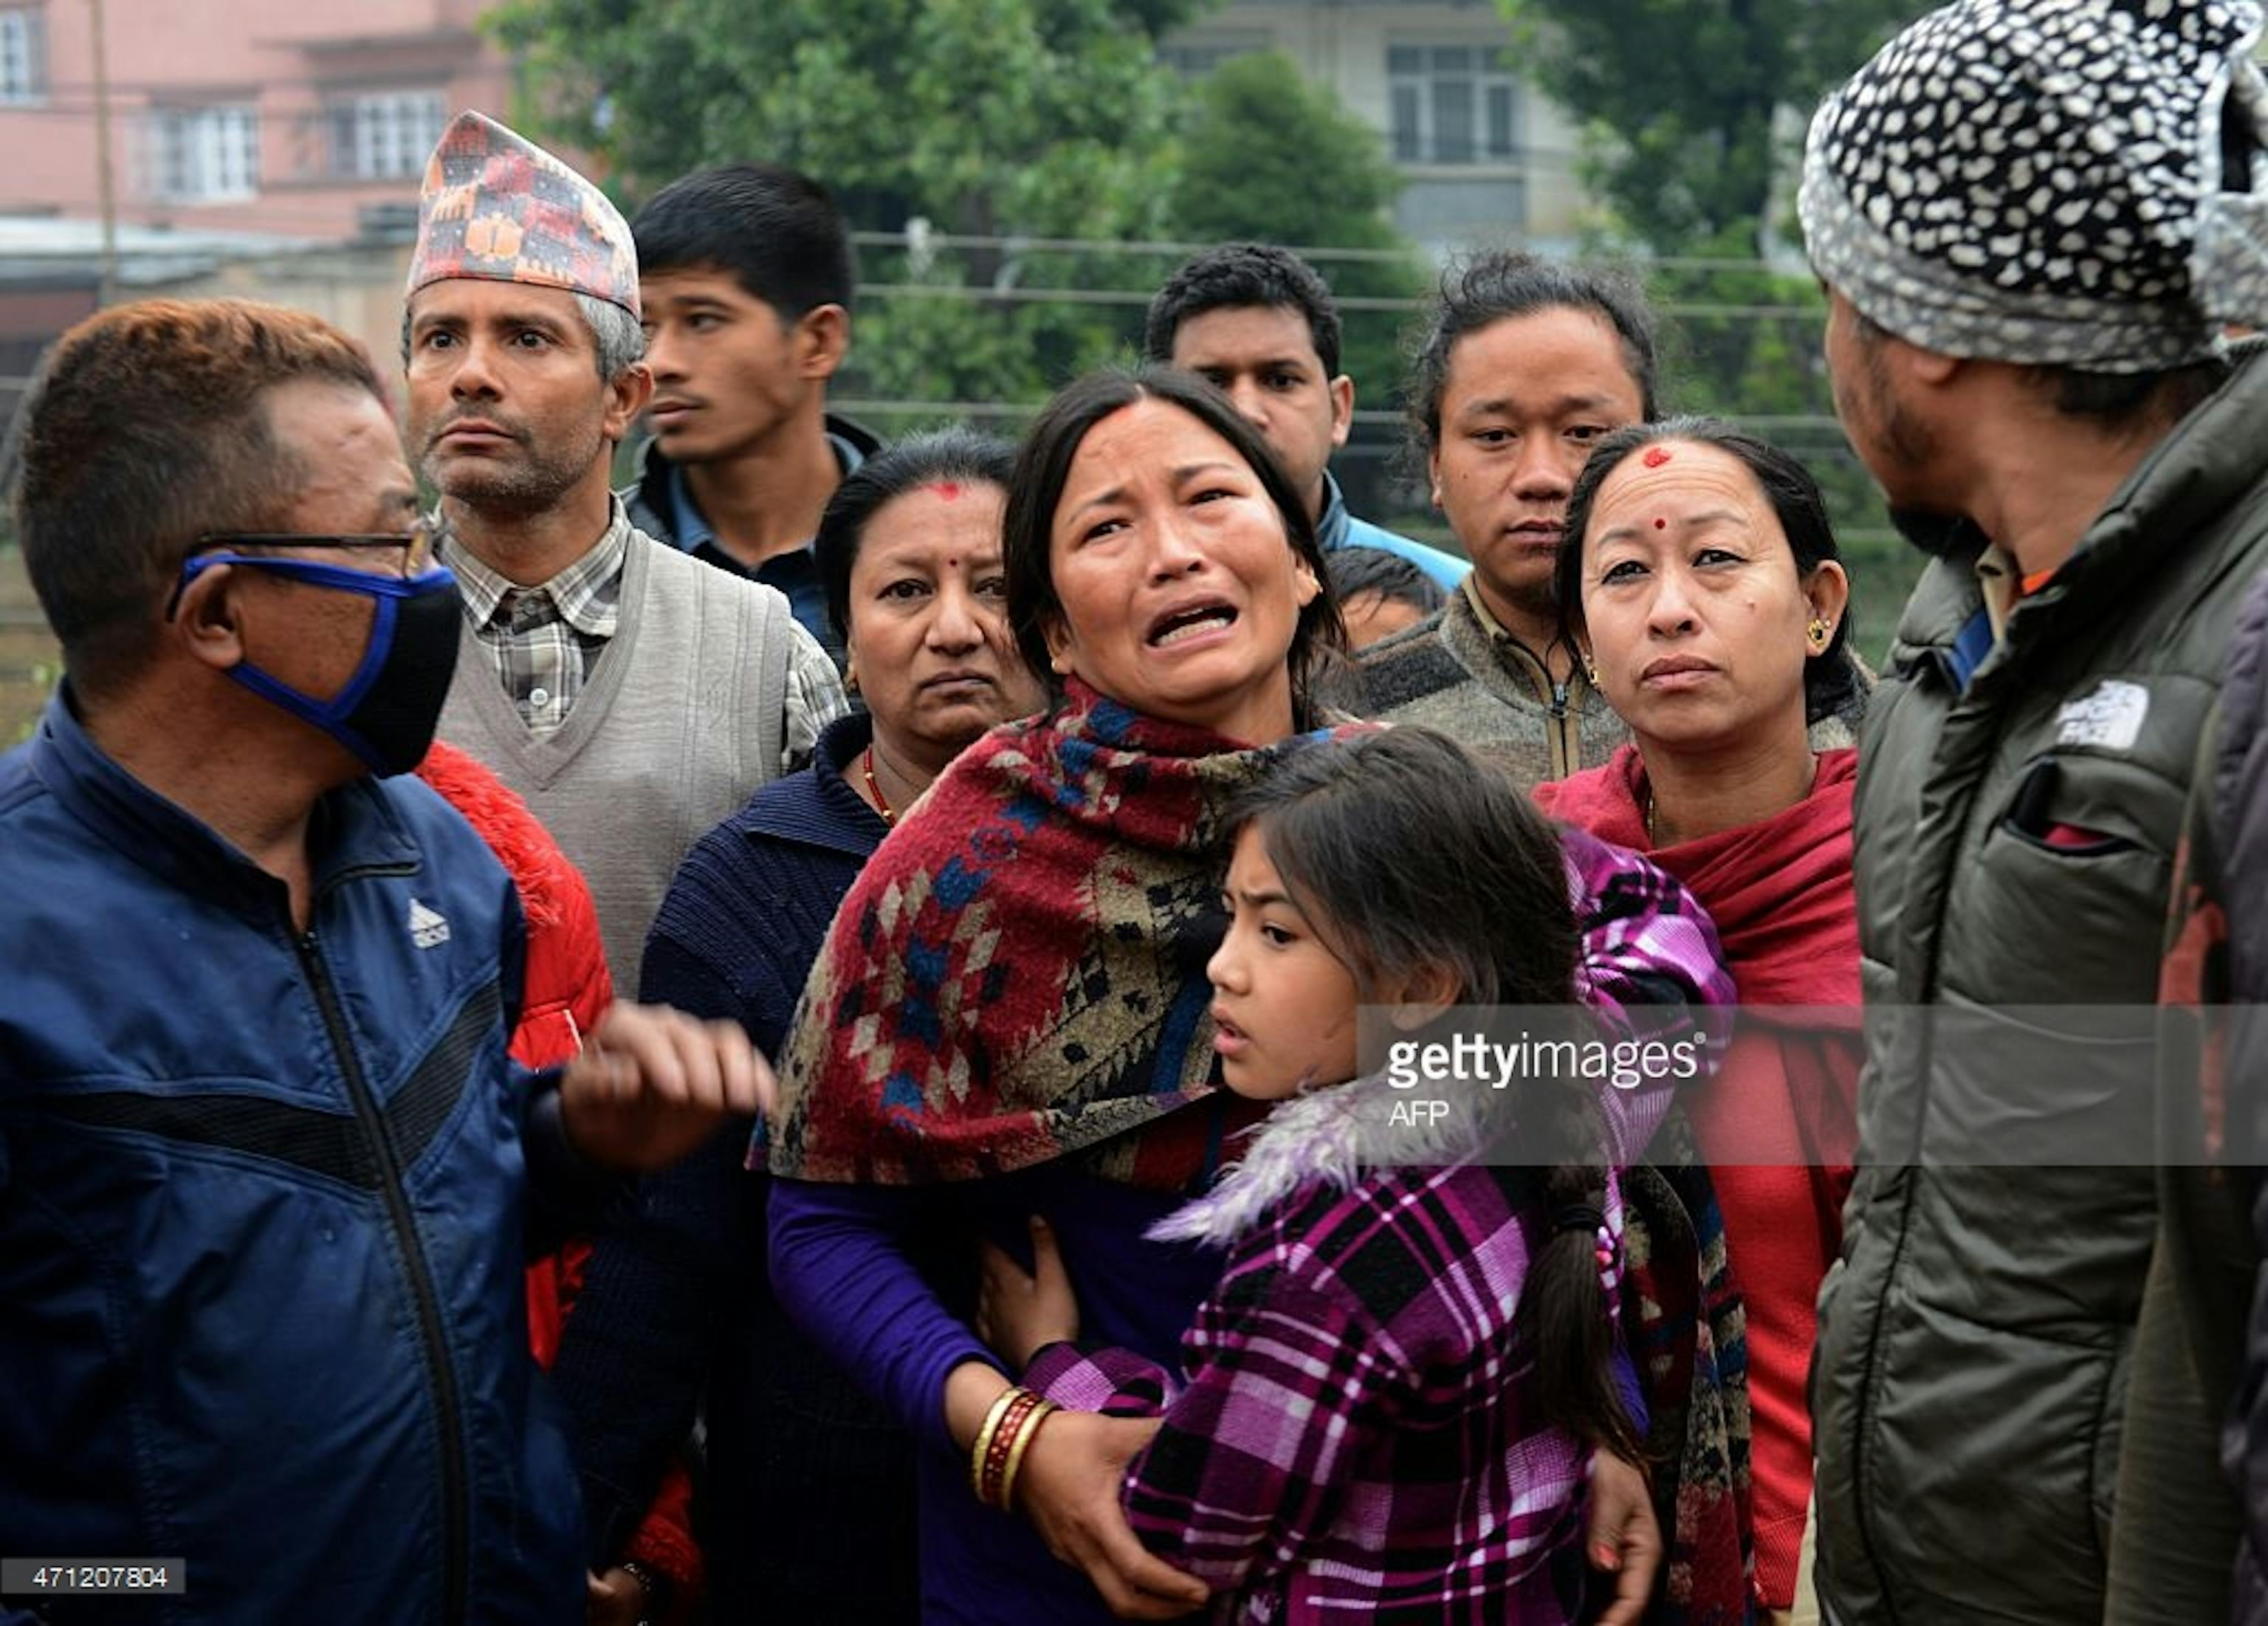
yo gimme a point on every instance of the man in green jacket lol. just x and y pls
(2034, 222)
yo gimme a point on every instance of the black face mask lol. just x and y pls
(387, 712)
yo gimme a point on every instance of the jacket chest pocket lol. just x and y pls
(2066, 901)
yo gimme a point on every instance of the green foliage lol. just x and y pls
(1040, 117)
(1679, 99)
(946, 332)
(1267, 157)
(985, 118)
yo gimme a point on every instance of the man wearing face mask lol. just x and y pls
(265, 1168)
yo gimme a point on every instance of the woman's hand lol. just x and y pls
(1069, 1489)
(1622, 1535)
(1018, 1315)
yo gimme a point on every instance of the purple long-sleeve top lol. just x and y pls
(840, 1266)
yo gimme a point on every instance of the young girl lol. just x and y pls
(1393, 1392)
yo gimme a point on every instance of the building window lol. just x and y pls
(207, 155)
(23, 53)
(1453, 104)
(388, 136)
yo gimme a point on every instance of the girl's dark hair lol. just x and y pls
(960, 455)
(1408, 855)
(1492, 287)
(1044, 468)
(1358, 569)
(1833, 685)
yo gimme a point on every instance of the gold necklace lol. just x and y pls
(881, 803)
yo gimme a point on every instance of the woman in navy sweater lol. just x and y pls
(806, 1511)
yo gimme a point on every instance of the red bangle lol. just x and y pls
(992, 1467)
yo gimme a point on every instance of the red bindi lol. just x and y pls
(1656, 457)
(946, 490)
(1661, 525)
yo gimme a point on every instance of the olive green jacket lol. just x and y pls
(2016, 837)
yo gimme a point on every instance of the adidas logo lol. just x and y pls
(428, 928)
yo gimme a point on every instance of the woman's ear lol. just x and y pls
(1059, 645)
(1304, 582)
(1828, 593)
(1421, 998)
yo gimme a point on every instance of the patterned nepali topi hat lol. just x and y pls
(2050, 183)
(498, 207)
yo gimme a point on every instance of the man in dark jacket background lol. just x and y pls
(746, 272)
(2034, 222)
(267, 1176)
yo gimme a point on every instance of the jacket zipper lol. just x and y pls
(1862, 1433)
(1562, 749)
(1558, 741)
(437, 1369)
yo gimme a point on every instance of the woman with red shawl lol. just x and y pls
(1700, 580)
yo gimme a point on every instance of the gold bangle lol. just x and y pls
(984, 1432)
(994, 1468)
(1025, 1435)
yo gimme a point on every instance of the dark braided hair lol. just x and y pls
(1409, 856)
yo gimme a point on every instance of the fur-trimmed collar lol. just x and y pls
(1337, 1135)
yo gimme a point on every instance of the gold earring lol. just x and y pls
(850, 677)
(1820, 632)
(1590, 669)
(1061, 667)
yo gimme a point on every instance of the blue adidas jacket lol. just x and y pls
(261, 1212)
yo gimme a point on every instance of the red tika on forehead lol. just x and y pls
(945, 489)
(1656, 457)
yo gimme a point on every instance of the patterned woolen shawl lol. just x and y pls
(1018, 973)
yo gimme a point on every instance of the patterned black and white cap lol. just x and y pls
(2040, 182)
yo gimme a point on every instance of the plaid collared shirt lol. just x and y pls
(543, 640)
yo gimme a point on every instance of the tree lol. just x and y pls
(985, 118)
(1267, 157)
(1682, 99)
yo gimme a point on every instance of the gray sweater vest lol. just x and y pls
(682, 718)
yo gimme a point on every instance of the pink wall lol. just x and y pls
(292, 60)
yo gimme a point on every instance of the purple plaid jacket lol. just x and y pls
(1358, 1439)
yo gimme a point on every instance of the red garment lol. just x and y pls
(566, 990)
(1779, 1125)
